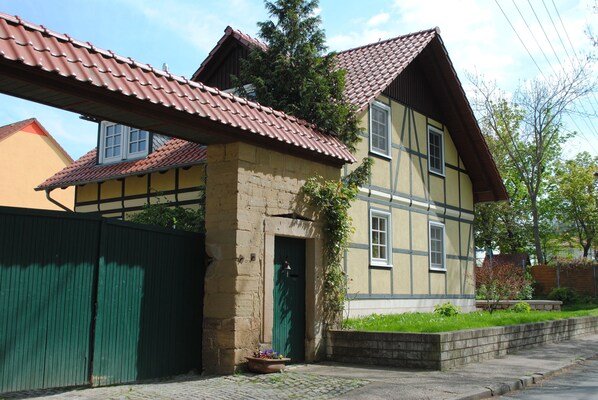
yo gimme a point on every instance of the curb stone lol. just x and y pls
(522, 383)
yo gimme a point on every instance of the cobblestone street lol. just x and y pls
(291, 385)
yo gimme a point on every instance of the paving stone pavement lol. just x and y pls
(241, 386)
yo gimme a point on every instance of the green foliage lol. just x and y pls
(446, 309)
(525, 134)
(521, 307)
(576, 200)
(333, 198)
(295, 75)
(166, 215)
(431, 322)
(565, 294)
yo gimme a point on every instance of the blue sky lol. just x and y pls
(477, 34)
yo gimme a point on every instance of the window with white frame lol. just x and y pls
(437, 253)
(119, 142)
(380, 129)
(380, 238)
(435, 150)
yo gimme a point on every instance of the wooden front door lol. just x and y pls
(288, 332)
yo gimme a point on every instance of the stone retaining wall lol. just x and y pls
(536, 305)
(444, 350)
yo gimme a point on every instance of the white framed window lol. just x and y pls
(436, 246)
(435, 150)
(380, 129)
(119, 142)
(380, 239)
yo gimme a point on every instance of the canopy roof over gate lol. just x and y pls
(57, 70)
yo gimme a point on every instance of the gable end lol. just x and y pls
(414, 90)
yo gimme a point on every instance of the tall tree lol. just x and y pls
(529, 129)
(578, 200)
(504, 225)
(295, 75)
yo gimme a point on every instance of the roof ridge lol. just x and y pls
(435, 29)
(147, 67)
(246, 36)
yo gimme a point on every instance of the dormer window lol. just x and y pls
(119, 143)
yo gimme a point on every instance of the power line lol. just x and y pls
(534, 37)
(519, 37)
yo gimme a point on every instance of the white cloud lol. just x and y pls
(379, 19)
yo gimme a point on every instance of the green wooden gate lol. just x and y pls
(288, 334)
(86, 300)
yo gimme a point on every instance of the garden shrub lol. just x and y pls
(565, 294)
(501, 281)
(521, 307)
(446, 309)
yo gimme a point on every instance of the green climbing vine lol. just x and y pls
(333, 198)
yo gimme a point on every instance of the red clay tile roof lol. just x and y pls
(371, 69)
(37, 47)
(243, 38)
(174, 153)
(7, 130)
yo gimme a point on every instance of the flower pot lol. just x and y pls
(266, 365)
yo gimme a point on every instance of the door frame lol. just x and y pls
(312, 233)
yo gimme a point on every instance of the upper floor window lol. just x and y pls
(380, 129)
(119, 142)
(380, 243)
(435, 150)
(437, 253)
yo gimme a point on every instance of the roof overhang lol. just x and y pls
(56, 70)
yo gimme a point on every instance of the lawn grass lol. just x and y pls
(430, 322)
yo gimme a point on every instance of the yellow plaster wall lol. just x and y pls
(466, 192)
(451, 156)
(163, 181)
(437, 188)
(420, 275)
(357, 270)
(414, 192)
(402, 273)
(452, 187)
(454, 276)
(26, 160)
(88, 192)
(135, 185)
(437, 283)
(381, 280)
(111, 189)
(188, 177)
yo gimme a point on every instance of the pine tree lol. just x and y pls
(295, 75)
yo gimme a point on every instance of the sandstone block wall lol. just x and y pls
(248, 187)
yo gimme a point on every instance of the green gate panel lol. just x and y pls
(288, 331)
(150, 303)
(47, 264)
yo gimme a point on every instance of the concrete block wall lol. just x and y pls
(441, 351)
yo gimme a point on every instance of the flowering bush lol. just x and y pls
(500, 281)
(269, 354)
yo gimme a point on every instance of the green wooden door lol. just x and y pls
(288, 332)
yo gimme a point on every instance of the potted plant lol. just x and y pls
(266, 361)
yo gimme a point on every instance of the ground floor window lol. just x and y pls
(380, 243)
(436, 245)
